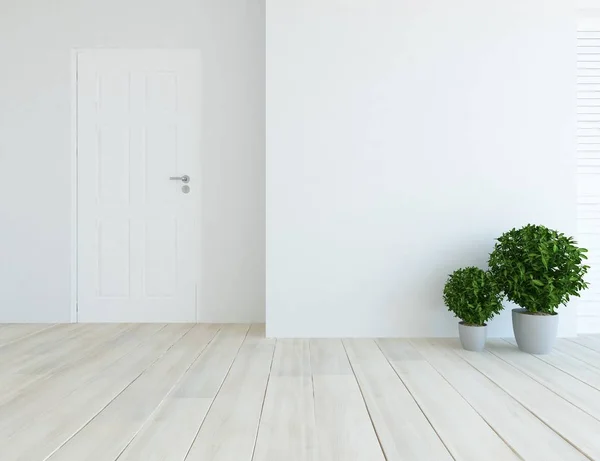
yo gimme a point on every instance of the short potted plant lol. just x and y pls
(473, 296)
(538, 269)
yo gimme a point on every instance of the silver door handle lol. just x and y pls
(184, 179)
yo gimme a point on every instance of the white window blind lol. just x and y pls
(588, 167)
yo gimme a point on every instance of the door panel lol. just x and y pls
(113, 165)
(114, 268)
(138, 125)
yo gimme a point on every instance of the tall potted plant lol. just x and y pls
(538, 269)
(473, 296)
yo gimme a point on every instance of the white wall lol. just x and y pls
(402, 137)
(36, 38)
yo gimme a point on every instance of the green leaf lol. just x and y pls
(538, 268)
(472, 295)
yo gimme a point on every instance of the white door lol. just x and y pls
(138, 129)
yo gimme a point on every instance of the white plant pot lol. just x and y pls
(472, 338)
(535, 334)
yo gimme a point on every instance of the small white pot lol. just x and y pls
(472, 338)
(535, 334)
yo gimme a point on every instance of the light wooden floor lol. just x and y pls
(224, 393)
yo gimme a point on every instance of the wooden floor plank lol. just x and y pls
(287, 429)
(152, 393)
(571, 389)
(28, 376)
(17, 331)
(51, 391)
(51, 429)
(87, 339)
(402, 428)
(499, 409)
(574, 367)
(108, 434)
(344, 428)
(573, 424)
(228, 432)
(169, 434)
(16, 353)
(590, 342)
(466, 434)
(578, 352)
(22, 361)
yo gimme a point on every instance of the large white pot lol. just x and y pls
(472, 338)
(535, 334)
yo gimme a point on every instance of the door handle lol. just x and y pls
(184, 179)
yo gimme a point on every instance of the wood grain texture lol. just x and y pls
(228, 433)
(41, 393)
(574, 425)
(225, 393)
(344, 428)
(30, 375)
(499, 409)
(456, 422)
(288, 429)
(578, 351)
(14, 354)
(109, 433)
(570, 388)
(402, 428)
(169, 434)
(15, 332)
(591, 342)
(571, 365)
(55, 426)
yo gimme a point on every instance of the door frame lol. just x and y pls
(74, 160)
